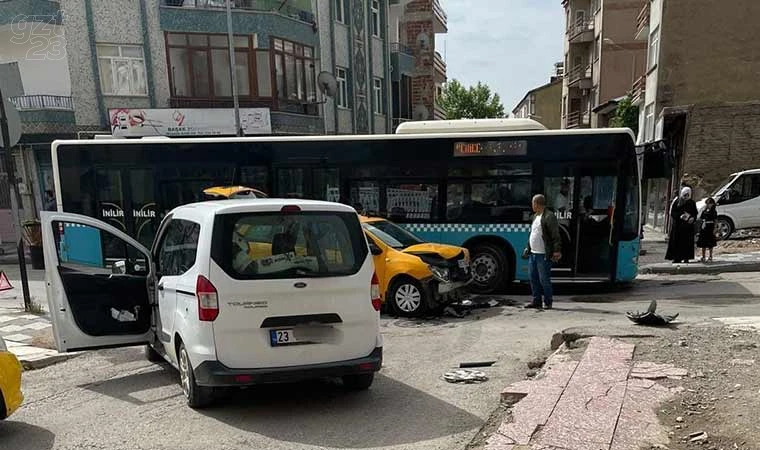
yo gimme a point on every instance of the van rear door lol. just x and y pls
(293, 288)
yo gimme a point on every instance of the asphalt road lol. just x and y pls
(115, 399)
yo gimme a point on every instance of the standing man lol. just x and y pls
(544, 248)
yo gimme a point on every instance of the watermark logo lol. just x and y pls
(42, 33)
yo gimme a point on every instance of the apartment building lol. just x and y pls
(602, 59)
(133, 68)
(700, 95)
(418, 70)
(544, 103)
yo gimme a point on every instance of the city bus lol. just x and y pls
(465, 183)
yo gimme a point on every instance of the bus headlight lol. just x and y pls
(440, 273)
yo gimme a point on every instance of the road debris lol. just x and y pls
(466, 365)
(465, 376)
(650, 317)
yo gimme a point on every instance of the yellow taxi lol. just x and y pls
(227, 192)
(10, 382)
(415, 276)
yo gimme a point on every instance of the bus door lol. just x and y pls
(559, 190)
(595, 193)
(126, 199)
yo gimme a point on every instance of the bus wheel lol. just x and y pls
(488, 269)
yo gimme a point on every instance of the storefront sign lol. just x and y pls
(185, 122)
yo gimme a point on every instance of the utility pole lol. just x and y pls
(235, 102)
(10, 170)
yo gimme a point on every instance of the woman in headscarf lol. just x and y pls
(683, 213)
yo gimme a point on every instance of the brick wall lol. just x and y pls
(721, 139)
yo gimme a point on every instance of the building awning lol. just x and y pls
(608, 106)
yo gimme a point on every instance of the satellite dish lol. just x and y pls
(420, 113)
(327, 84)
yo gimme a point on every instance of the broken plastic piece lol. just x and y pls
(466, 376)
(123, 316)
(465, 365)
(650, 317)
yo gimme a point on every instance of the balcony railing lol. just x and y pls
(32, 102)
(273, 6)
(579, 27)
(578, 73)
(397, 47)
(642, 21)
(639, 89)
(439, 13)
(439, 64)
(578, 119)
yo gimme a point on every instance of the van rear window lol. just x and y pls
(276, 245)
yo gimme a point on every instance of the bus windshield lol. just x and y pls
(391, 234)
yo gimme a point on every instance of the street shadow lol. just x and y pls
(142, 388)
(23, 436)
(324, 414)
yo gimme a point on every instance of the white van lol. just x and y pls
(738, 200)
(232, 292)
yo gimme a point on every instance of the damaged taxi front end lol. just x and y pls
(416, 277)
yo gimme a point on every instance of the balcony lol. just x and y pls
(42, 102)
(308, 109)
(439, 65)
(642, 22)
(578, 119)
(582, 31)
(46, 11)
(639, 90)
(580, 77)
(403, 61)
(440, 18)
(269, 6)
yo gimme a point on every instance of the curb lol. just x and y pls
(46, 361)
(713, 269)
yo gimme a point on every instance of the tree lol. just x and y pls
(475, 102)
(626, 115)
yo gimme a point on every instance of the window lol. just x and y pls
(489, 201)
(654, 48)
(411, 202)
(532, 105)
(375, 11)
(199, 66)
(299, 245)
(179, 245)
(341, 14)
(122, 70)
(391, 234)
(294, 71)
(377, 91)
(342, 77)
(649, 122)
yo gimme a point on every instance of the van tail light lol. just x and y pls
(377, 302)
(208, 300)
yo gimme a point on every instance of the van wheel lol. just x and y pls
(197, 396)
(152, 355)
(724, 227)
(360, 382)
(408, 298)
(489, 269)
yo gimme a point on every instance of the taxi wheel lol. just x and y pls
(407, 298)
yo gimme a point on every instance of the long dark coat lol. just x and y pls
(681, 242)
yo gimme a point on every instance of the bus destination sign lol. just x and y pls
(491, 148)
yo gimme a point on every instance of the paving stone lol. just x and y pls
(654, 371)
(499, 442)
(638, 422)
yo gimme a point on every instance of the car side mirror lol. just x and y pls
(375, 250)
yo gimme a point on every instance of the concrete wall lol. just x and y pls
(722, 139)
(709, 53)
(549, 105)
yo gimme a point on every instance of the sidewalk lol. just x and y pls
(723, 263)
(28, 336)
(603, 401)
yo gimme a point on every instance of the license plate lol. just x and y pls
(281, 337)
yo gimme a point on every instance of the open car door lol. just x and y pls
(97, 283)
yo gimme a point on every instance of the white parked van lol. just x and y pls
(738, 200)
(232, 293)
